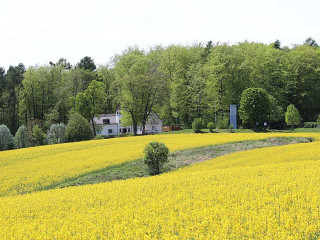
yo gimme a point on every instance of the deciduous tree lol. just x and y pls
(89, 103)
(156, 155)
(254, 106)
(292, 116)
(141, 86)
(6, 138)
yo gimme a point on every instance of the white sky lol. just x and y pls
(37, 31)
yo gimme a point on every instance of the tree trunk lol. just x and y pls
(134, 124)
(135, 128)
(143, 127)
(93, 127)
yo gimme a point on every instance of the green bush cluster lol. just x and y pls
(6, 138)
(38, 135)
(57, 133)
(78, 129)
(21, 139)
(197, 125)
(155, 156)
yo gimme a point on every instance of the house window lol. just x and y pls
(109, 130)
(154, 128)
(128, 129)
(106, 121)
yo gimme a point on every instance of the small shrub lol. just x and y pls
(231, 128)
(222, 122)
(210, 126)
(99, 137)
(38, 135)
(197, 125)
(126, 134)
(21, 139)
(6, 138)
(57, 134)
(156, 155)
(78, 129)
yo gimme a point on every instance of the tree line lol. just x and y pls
(179, 83)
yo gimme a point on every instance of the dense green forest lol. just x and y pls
(179, 83)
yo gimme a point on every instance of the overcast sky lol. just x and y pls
(37, 31)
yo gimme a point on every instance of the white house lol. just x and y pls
(110, 124)
(154, 124)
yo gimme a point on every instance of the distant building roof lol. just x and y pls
(107, 115)
(100, 119)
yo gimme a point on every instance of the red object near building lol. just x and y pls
(170, 128)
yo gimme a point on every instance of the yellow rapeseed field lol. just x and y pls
(30, 169)
(270, 193)
(26, 170)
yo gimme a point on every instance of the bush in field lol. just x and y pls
(38, 135)
(6, 138)
(78, 129)
(292, 116)
(21, 139)
(57, 134)
(210, 126)
(156, 155)
(197, 125)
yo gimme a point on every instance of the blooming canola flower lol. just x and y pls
(268, 193)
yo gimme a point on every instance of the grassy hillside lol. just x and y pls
(27, 170)
(176, 160)
(270, 193)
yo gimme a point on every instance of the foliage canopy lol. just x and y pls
(254, 106)
(6, 138)
(292, 116)
(21, 139)
(197, 125)
(78, 129)
(156, 155)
